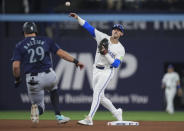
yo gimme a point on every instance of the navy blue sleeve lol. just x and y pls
(16, 54)
(54, 47)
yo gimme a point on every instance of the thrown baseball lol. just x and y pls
(67, 3)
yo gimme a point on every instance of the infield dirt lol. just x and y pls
(51, 125)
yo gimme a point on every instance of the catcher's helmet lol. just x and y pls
(119, 27)
(29, 28)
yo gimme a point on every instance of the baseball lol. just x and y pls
(67, 3)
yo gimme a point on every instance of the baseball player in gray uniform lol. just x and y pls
(171, 83)
(109, 56)
(34, 53)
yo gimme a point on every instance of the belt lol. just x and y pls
(102, 67)
(36, 73)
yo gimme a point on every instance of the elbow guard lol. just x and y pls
(116, 63)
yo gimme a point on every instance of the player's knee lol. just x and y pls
(102, 99)
(97, 91)
(96, 94)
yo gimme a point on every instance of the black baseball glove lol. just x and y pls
(103, 46)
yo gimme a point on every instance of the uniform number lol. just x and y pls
(36, 54)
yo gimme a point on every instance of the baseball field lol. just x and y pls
(148, 120)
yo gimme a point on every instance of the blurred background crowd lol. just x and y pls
(91, 6)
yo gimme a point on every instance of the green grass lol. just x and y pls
(77, 115)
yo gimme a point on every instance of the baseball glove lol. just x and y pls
(103, 46)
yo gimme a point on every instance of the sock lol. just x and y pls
(54, 96)
(40, 109)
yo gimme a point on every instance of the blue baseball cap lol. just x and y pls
(170, 66)
(119, 27)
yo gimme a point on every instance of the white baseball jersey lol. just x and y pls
(170, 79)
(102, 77)
(117, 51)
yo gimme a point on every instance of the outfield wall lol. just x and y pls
(150, 45)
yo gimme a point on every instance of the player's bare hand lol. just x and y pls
(163, 86)
(80, 65)
(74, 15)
(180, 92)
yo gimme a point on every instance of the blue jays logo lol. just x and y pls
(111, 53)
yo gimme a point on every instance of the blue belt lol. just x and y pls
(102, 67)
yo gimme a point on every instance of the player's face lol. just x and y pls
(116, 33)
(170, 69)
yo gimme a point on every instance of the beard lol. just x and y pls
(116, 36)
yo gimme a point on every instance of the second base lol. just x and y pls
(123, 123)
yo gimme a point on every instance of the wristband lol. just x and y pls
(17, 78)
(75, 61)
(178, 86)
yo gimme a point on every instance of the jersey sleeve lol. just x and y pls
(164, 79)
(177, 77)
(120, 54)
(16, 54)
(99, 36)
(54, 47)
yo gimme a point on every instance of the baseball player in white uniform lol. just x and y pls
(106, 60)
(171, 82)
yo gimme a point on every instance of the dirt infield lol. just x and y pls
(46, 125)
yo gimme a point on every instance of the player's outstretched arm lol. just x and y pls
(66, 56)
(84, 24)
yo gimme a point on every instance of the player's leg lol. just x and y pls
(88, 120)
(172, 94)
(37, 107)
(108, 105)
(49, 82)
(101, 79)
(167, 99)
(36, 95)
(54, 96)
(51, 85)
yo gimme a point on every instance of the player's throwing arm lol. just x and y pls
(99, 36)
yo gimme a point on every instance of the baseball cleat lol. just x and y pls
(62, 119)
(34, 114)
(118, 114)
(87, 121)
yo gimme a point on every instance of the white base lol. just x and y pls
(122, 123)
